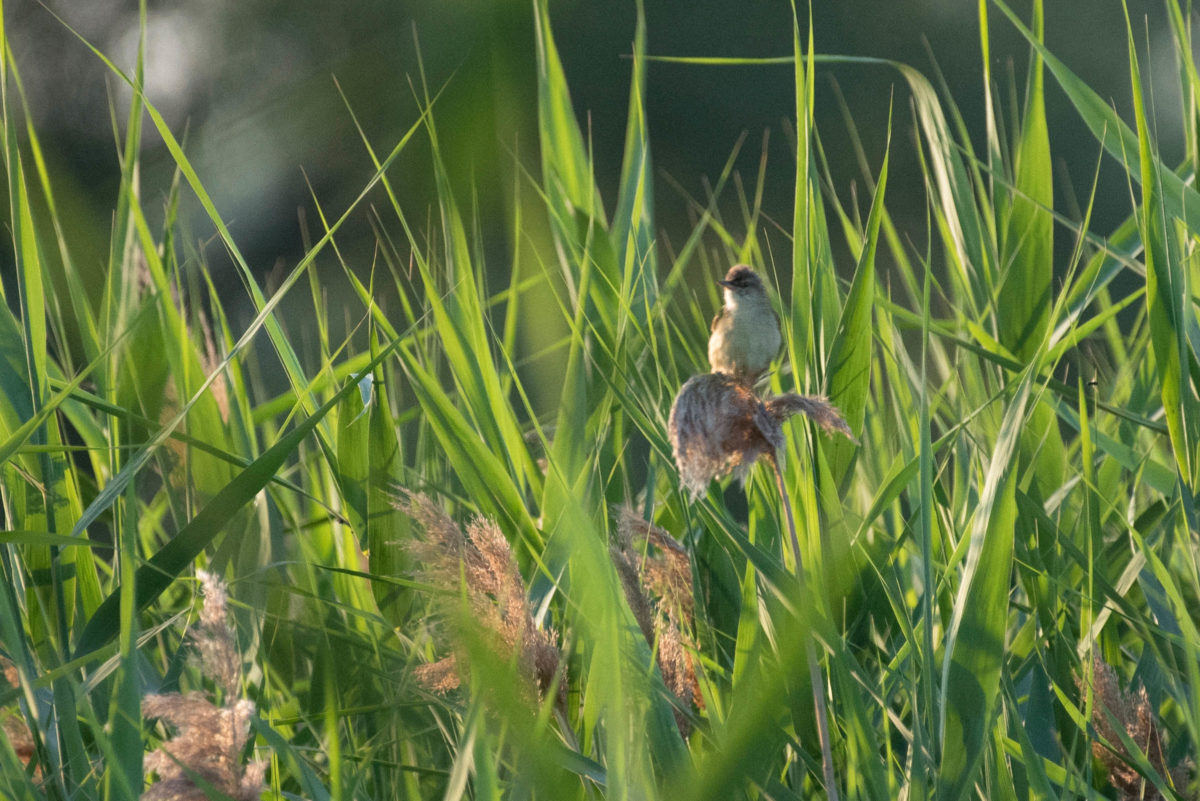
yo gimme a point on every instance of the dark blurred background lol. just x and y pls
(251, 88)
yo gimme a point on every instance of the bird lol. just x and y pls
(745, 336)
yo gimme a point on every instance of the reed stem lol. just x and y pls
(810, 651)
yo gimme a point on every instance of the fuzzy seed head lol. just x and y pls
(214, 639)
(718, 425)
(656, 575)
(1133, 713)
(209, 739)
(482, 558)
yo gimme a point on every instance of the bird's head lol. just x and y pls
(742, 282)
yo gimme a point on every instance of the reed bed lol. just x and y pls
(460, 552)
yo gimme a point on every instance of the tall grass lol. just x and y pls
(1002, 572)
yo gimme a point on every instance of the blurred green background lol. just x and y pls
(255, 87)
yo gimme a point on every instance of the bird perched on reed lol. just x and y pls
(745, 335)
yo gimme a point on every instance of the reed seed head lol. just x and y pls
(481, 558)
(1133, 713)
(656, 575)
(718, 425)
(209, 740)
(214, 639)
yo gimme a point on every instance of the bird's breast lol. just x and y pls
(744, 341)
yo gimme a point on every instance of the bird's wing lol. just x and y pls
(716, 319)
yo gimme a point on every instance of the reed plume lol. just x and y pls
(207, 748)
(1131, 712)
(656, 575)
(718, 426)
(481, 561)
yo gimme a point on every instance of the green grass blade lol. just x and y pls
(1167, 293)
(976, 637)
(566, 169)
(1027, 239)
(927, 724)
(633, 220)
(388, 529)
(805, 293)
(29, 270)
(351, 437)
(850, 356)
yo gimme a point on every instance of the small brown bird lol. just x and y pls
(745, 333)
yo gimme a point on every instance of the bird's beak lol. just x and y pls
(724, 283)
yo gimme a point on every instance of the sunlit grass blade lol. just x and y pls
(1190, 78)
(976, 637)
(352, 440)
(814, 298)
(1027, 240)
(387, 527)
(927, 723)
(633, 220)
(850, 355)
(1168, 308)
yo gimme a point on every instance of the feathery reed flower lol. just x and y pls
(1132, 712)
(209, 739)
(481, 558)
(661, 581)
(718, 425)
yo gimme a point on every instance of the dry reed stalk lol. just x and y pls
(719, 425)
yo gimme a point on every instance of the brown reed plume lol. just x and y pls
(481, 562)
(718, 425)
(1132, 712)
(658, 587)
(207, 748)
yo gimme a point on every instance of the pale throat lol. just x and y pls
(746, 301)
